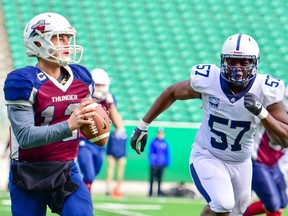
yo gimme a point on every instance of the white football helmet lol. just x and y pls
(240, 46)
(100, 77)
(37, 39)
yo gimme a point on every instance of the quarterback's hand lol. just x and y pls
(136, 137)
(251, 102)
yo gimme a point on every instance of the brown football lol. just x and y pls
(98, 132)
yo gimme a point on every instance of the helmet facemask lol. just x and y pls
(102, 83)
(240, 74)
(64, 54)
(239, 59)
(100, 91)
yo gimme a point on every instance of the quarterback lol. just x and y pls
(46, 109)
(235, 100)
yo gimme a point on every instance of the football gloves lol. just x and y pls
(251, 102)
(136, 137)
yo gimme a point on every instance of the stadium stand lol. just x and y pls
(148, 45)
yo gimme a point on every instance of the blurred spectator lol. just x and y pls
(159, 159)
(6, 152)
(91, 156)
(8, 144)
(116, 155)
(180, 191)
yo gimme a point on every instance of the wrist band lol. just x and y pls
(263, 114)
(143, 125)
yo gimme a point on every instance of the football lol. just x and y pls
(98, 132)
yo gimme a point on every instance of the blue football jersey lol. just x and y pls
(52, 102)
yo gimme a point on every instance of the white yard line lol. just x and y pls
(123, 209)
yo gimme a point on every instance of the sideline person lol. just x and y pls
(159, 158)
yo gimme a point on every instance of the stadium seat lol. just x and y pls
(148, 45)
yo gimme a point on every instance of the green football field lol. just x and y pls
(131, 206)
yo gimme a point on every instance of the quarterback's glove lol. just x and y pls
(139, 134)
(251, 102)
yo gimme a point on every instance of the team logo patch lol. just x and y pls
(40, 26)
(214, 102)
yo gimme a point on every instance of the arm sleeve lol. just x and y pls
(27, 134)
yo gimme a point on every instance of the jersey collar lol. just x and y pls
(227, 91)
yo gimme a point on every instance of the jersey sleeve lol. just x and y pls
(82, 74)
(204, 75)
(19, 87)
(273, 89)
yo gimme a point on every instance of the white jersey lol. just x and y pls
(228, 128)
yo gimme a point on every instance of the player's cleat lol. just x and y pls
(116, 193)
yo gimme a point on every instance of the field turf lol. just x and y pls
(128, 206)
(131, 206)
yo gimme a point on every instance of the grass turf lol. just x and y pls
(131, 206)
(128, 206)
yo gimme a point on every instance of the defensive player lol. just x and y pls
(91, 156)
(235, 99)
(268, 181)
(46, 109)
